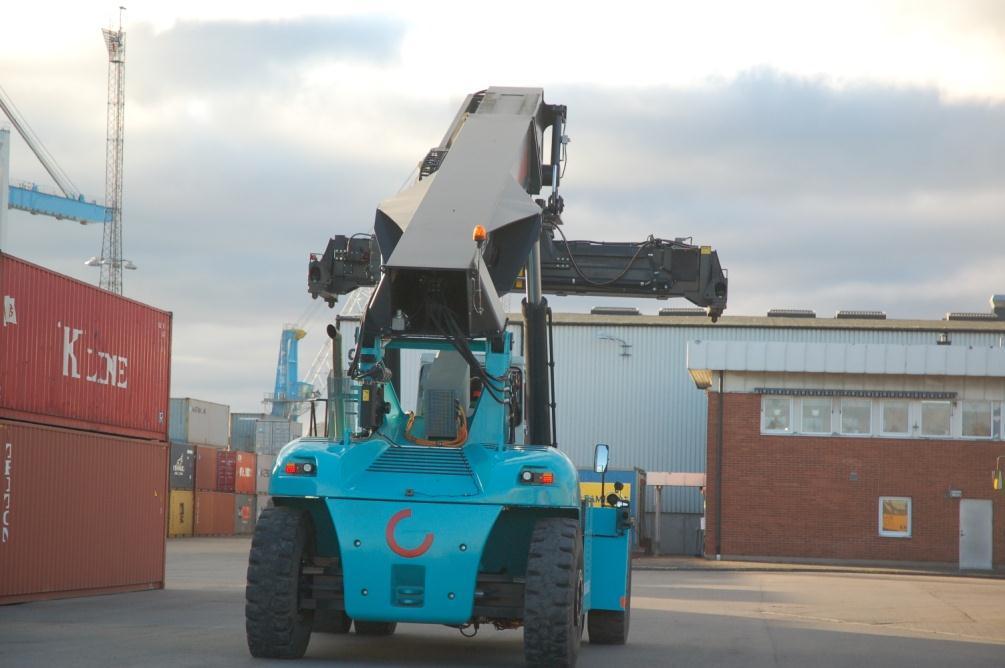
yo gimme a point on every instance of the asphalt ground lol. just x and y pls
(679, 618)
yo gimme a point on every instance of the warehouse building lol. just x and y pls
(622, 378)
(854, 451)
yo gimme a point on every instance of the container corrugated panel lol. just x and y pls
(265, 464)
(242, 431)
(214, 513)
(83, 513)
(182, 466)
(205, 467)
(244, 514)
(246, 473)
(653, 416)
(272, 435)
(77, 356)
(226, 471)
(199, 422)
(181, 513)
(262, 502)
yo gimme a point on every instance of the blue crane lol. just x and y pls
(71, 205)
(289, 395)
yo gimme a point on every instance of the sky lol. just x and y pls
(844, 155)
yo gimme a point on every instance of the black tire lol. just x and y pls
(553, 595)
(332, 621)
(276, 626)
(610, 627)
(375, 628)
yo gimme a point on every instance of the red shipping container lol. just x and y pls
(247, 473)
(226, 471)
(214, 514)
(77, 356)
(205, 467)
(80, 513)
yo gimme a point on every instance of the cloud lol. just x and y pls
(815, 195)
(194, 57)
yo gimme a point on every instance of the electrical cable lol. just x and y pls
(462, 432)
(459, 342)
(642, 246)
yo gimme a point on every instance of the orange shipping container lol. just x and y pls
(82, 513)
(247, 473)
(77, 356)
(214, 513)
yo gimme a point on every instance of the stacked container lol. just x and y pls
(242, 430)
(265, 464)
(272, 434)
(200, 422)
(181, 513)
(84, 379)
(204, 427)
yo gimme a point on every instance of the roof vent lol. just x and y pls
(684, 311)
(860, 315)
(791, 313)
(998, 306)
(614, 310)
(972, 317)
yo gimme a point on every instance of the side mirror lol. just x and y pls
(601, 455)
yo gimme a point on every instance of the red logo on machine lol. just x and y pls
(408, 553)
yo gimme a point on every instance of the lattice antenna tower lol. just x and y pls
(111, 261)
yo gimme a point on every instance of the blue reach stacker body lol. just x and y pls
(462, 511)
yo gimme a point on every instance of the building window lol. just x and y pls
(856, 416)
(776, 414)
(817, 416)
(935, 418)
(977, 419)
(895, 417)
(895, 516)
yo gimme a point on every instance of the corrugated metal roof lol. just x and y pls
(873, 359)
(743, 321)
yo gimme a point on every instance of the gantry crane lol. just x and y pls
(72, 205)
(26, 196)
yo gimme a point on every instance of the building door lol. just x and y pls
(975, 534)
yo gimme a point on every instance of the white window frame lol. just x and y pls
(882, 418)
(910, 517)
(802, 427)
(872, 414)
(764, 415)
(991, 419)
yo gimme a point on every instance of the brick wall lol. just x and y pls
(793, 496)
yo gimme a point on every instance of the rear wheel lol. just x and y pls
(276, 626)
(553, 595)
(610, 627)
(375, 628)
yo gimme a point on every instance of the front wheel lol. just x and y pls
(276, 626)
(610, 627)
(553, 594)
